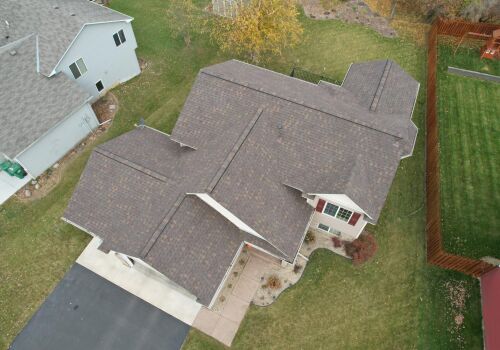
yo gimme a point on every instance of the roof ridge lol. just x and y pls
(234, 151)
(133, 165)
(301, 103)
(161, 226)
(381, 84)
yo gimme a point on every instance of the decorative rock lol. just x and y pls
(37, 186)
(55, 166)
(27, 193)
(112, 107)
(34, 182)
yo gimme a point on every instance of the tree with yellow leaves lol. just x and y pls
(259, 28)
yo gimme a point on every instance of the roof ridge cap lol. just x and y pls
(302, 103)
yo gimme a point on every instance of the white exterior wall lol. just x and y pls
(348, 232)
(104, 60)
(58, 141)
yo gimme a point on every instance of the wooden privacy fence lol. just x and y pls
(435, 253)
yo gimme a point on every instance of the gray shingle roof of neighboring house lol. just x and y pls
(256, 142)
(30, 103)
(56, 22)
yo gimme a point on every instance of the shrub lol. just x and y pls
(297, 268)
(361, 249)
(274, 282)
(310, 237)
(337, 242)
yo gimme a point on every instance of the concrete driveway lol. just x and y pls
(142, 282)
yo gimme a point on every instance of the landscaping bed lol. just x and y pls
(468, 111)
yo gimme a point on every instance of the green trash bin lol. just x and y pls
(13, 169)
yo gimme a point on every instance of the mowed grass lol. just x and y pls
(469, 126)
(394, 302)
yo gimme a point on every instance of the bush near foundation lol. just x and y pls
(361, 249)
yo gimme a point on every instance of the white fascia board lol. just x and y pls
(343, 200)
(411, 121)
(54, 71)
(205, 197)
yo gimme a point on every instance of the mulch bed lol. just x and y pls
(105, 109)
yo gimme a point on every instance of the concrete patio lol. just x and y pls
(223, 321)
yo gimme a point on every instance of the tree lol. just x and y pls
(259, 28)
(185, 18)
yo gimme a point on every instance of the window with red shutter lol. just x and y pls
(320, 205)
(354, 218)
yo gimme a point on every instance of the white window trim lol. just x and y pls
(100, 80)
(76, 65)
(338, 209)
(337, 233)
(119, 38)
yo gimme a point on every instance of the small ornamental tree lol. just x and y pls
(259, 28)
(361, 249)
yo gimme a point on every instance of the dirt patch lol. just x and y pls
(105, 109)
(143, 64)
(457, 295)
(351, 11)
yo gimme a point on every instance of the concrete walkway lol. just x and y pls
(142, 282)
(224, 323)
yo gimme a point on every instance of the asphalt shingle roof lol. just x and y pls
(30, 103)
(258, 141)
(55, 22)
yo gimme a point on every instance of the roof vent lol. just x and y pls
(73, 14)
(56, 7)
(13, 52)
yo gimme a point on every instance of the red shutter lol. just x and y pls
(354, 218)
(320, 205)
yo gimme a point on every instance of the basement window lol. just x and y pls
(99, 86)
(323, 227)
(78, 68)
(119, 37)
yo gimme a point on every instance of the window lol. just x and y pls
(344, 214)
(330, 209)
(329, 229)
(119, 37)
(99, 86)
(78, 68)
(323, 227)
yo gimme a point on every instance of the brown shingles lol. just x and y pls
(304, 147)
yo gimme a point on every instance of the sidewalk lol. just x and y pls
(223, 324)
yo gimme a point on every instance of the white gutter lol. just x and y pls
(212, 302)
(411, 115)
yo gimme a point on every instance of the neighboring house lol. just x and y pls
(56, 57)
(256, 158)
(490, 301)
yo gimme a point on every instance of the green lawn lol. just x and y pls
(469, 126)
(394, 302)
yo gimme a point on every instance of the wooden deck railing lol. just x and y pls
(435, 252)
